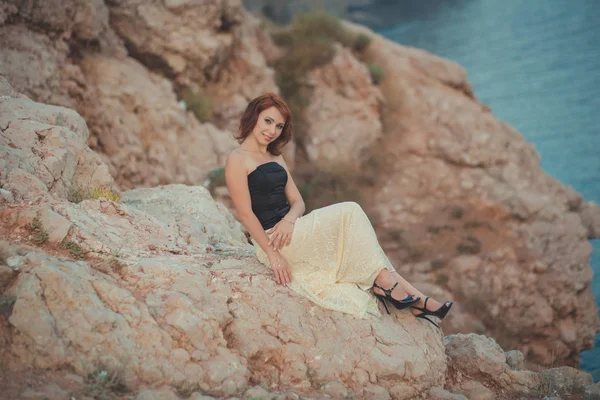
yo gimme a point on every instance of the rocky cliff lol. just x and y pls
(130, 274)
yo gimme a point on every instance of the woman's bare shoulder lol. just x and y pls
(236, 159)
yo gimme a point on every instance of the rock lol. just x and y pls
(566, 380)
(14, 261)
(515, 359)
(441, 394)
(55, 225)
(36, 65)
(50, 391)
(590, 217)
(474, 390)
(6, 196)
(164, 393)
(344, 110)
(183, 309)
(144, 136)
(257, 392)
(44, 150)
(592, 392)
(475, 359)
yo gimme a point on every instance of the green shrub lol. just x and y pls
(457, 212)
(309, 41)
(198, 103)
(102, 384)
(39, 235)
(377, 73)
(469, 245)
(6, 303)
(361, 42)
(75, 249)
(217, 177)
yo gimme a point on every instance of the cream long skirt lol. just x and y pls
(335, 257)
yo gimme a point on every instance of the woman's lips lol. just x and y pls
(268, 138)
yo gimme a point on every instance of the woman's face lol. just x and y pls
(268, 126)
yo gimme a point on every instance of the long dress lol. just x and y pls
(334, 254)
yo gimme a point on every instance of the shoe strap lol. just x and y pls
(388, 292)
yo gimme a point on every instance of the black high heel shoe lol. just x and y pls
(399, 304)
(440, 312)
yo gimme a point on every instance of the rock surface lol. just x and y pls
(43, 150)
(344, 111)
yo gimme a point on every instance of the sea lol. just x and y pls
(536, 63)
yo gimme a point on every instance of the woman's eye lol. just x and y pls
(268, 121)
(280, 127)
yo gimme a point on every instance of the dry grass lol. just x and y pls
(103, 384)
(77, 195)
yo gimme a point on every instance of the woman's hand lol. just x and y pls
(281, 234)
(281, 268)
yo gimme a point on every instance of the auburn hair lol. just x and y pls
(250, 117)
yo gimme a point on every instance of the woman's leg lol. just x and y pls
(432, 304)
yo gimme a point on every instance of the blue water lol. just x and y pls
(536, 63)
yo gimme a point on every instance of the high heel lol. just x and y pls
(439, 313)
(399, 304)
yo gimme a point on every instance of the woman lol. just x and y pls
(331, 255)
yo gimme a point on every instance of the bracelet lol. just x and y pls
(291, 222)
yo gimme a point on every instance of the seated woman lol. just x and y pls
(331, 256)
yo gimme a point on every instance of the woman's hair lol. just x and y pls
(250, 116)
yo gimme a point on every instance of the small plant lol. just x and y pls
(186, 388)
(437, 264)
(469, 245)
(39, 236)
(75, 249)
(106, 193)
(6, 303)
(441, 279)
(198, 103)
(377, 73)
(474, 224)
(77, 195)
(457, 212)
(102, 384)
(395, 234)
(217, 177)
(361, 42)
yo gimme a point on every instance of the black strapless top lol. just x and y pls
(267, 191)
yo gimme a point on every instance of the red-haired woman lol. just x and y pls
(331, 255)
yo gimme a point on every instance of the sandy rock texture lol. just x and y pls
(43, 150)
(124, 66)
(212, 47)
(344, 112)
(462, 202)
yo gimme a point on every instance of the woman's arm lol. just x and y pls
(294, 197)
(237, 184)
(281, 233)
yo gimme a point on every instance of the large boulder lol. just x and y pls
(44, 151)
(170, 293)
(478, 368)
